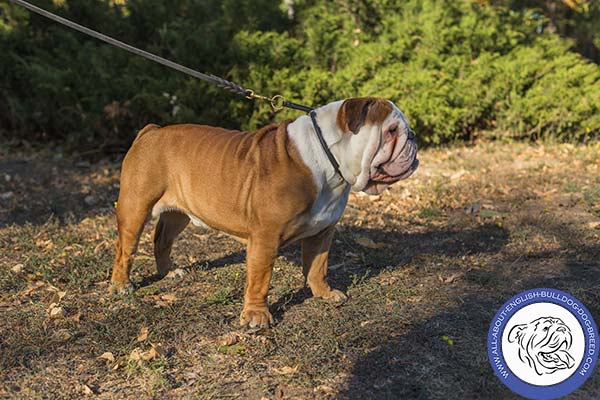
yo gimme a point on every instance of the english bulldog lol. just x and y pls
(544, 344)
(268, 188)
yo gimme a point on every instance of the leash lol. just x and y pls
(278, 102)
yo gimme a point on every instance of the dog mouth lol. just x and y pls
(401, 164)
(557, 358)
(383, 177)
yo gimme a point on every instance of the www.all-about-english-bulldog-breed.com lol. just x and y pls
(268, 188)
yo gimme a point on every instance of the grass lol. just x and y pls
(423, 274)
(430, 213)
(592, 195)
(222, 296)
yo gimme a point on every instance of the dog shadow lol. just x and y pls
(352, 262)
(422, 363)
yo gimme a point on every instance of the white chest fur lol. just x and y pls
(326, 211)
(332, 192)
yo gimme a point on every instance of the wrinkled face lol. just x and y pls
(381, 143)
(544, 343)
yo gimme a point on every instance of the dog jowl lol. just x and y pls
(267, 188)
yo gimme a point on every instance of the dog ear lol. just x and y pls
(353, 113)
(516, 332)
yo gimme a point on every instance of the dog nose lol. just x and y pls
(560, 329)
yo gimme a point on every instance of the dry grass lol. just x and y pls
(449, 246)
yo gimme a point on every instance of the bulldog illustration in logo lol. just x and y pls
(544, 344)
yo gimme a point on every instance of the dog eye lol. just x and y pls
(393, 129)
(546, 329)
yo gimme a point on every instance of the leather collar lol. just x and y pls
(330, 156)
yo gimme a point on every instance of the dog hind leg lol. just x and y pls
(170, 225)
(132, 214)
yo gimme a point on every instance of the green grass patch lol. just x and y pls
(430, 213)
(224, 296)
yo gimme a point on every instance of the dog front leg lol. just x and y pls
(315, 252)
(260, 256)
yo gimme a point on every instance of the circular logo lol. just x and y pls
(542, 344)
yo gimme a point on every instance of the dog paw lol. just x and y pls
(256, 317)
(119, 288)
(335, 296)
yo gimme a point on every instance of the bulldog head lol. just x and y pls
(544, 344)
(376, 143)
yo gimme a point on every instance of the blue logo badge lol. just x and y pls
(542, 344)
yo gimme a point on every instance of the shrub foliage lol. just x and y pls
(455, 67)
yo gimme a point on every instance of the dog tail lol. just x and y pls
(146, 129)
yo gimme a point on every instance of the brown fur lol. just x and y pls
(252, 185)
(146, 129)
(355, 112)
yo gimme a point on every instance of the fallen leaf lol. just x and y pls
(168, 297)
(457, 174)
(366, 242)
(33, 277)
(143, 335)
(191, 377)
(108, 356)
(594, 224)
(149, 355)
(451, 278)
(414, 299)
(57, 297)
(229, 339)
(365, 323)
(87, 390)
(155, 351)
(159, 349)
(61, 335)
(56, 312)
(324, 389)
(17, 269)
(541, 193)
(286, 370)
(176, 273)
(136, 354)
(76, 317)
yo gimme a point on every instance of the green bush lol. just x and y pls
(454, 67)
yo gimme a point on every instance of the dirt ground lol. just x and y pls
(426, 265)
